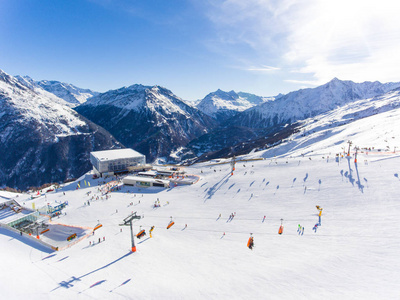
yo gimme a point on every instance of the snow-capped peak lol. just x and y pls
(138, 96)
(228, 103)
(35, 104)
(309, 102)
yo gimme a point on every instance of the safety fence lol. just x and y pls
(186, 179)
(31, 238)
(77, 240)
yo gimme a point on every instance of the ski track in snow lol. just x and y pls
(352, 255)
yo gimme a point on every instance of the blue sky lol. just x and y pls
(194, 47)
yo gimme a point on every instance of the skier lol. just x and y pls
(315, 227)
(151, 230)
(319, 216)
(299, 229)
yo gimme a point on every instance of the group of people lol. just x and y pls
(300, 229)
(231, 216)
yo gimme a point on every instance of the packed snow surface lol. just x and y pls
(352, 255)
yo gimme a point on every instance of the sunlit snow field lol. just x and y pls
(353, 254)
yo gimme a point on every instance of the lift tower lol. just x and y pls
(128, 221)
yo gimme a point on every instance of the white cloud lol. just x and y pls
(263, 69)
(320, 39)
(353, 40)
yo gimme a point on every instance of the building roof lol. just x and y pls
(145, 179)
(116, 154)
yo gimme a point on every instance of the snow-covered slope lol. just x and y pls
(370, 124)
(321, 131)
(36, 105)
(223, 105)
(67, 91)
(150, 119)
(352, 255)
(70, 93)
(42, 138)
(306, 103)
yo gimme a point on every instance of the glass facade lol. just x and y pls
(114, 161)
(27, 219)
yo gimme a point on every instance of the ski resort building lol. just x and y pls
(16, 216)
(110, 162)
(141, 181)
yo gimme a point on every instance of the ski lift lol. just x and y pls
(97, 226)
(141, 233)
(171, 223)
(280, 231)
(250, 242)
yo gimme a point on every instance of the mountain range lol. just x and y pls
(150, 119)
(224, 105)
(48, 128)
(42, 139)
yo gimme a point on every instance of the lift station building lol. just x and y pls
(110, 162)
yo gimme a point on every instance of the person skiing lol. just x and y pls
(319, 216)
(151, 230)
(315, 227)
